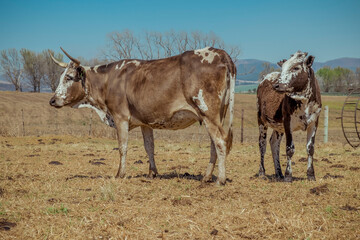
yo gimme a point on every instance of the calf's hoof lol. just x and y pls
(279, 177)
(311, 178)
(288, 178)
(152, 174)
(120, 175)
(207, 178)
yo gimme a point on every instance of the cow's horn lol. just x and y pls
(77, 62)
(61, 64)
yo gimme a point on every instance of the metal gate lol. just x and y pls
(350, 118)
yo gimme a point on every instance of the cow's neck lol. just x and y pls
(93, 98)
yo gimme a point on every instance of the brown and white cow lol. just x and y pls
(288, 101)
(171, 93)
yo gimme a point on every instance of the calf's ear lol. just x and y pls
(280, 63)
(310, 60)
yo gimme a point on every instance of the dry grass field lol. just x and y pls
(57, 181)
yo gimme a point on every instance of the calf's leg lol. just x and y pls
(311, 132)
(275, 141)
(262, 148)
(148, 137)
(290, 150)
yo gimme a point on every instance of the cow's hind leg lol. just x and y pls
(149, 148)
(311, 132)
(217, 135)
(122, 134)
(262, 148)
(210, 168)
(275, 141)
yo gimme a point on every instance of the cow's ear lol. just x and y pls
(81, 74)
(280, 63)
(310, 60)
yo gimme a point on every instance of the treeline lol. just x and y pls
(35, 70)
(338, 79)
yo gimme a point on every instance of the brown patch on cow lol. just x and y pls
(328, 175)
(55, 163)
(337, 166)
(326, 160)
(349, 208)
(320, 189)
(181, 202)
(5, 225)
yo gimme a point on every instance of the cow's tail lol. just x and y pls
(229, 137)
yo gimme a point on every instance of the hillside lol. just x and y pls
(245, 65)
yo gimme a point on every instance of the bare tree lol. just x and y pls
(11, 66)
(155, 45)
(33, 64)
(267, 69)
(52, 71)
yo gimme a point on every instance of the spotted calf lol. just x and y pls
(289, 101)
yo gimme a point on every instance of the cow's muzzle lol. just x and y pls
(54, 103)
(279, 87)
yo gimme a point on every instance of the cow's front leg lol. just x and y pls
(262, 148)
(311, 132)
(149, 148)
(122, 134)
(290, 149)
(275, 141)
(210, 168)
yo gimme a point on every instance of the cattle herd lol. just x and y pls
(195, 86)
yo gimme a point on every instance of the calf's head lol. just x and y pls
(71, 88)
(295, 73)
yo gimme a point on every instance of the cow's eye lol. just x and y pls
(296, 68)
(68, 77)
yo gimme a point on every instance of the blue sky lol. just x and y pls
(267, 30)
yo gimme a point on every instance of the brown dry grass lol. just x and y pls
(80, 199)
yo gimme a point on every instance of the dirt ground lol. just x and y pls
(62, 187)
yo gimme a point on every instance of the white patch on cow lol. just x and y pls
(206, 54)
(287, 74)
(96, 67)
(137, 63)
(105, 117)
(86, 68)
(122, 65)
(63, 86)
(202, 105)
(303, 96)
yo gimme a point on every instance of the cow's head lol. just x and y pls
(71, 88)
(295, 73)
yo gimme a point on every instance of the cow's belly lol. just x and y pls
(179, 120)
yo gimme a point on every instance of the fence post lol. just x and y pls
(242, 126)
(90, 126)
(23, 122)
(326, 123)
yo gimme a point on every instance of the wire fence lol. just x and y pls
(84, 122)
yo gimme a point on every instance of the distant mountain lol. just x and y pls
(246, 65)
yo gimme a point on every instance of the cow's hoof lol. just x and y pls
(311, 178)
(120, 175)
(220, 183)
(207, 178)
(279, 177)
(288, 179)
(152, 174)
